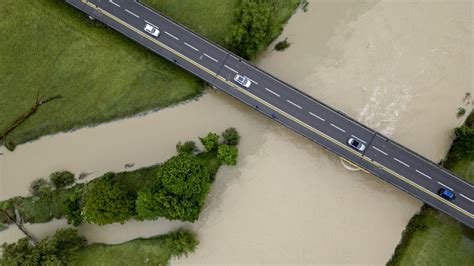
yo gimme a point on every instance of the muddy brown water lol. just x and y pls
(401, 67)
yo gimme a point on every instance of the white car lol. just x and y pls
(356, 144)
(242, 80)
(152, 30)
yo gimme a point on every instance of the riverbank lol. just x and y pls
(431, 237)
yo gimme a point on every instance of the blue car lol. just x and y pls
(447, 194)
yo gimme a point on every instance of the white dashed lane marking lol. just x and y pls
(359, 139)
(231, 69)
(294, 104)
(171, 35)
(445, 186)
(133, 14)
(379, 150)
(471, 200)
(274, 93)
(190, 46)
(423, 174)
(338, 128)
(210, 57)
(402, 162)
(318, 117)
(112, 2)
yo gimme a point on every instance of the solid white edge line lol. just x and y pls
(132, 13)
(359, 139)
(171, 35)
(190, 46)
(294, 104)
(318, 117)
(379, 150)
(445, 186)
(402, 162)
(421, 173)
(231, 69)
(112, 2)
(210, 57)
(471, 200)
(338, 128)
(267, 89)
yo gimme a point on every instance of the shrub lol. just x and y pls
(62, 179)
(72, 208)
(254, 28)
(58, 250)
(282, 45)
(39, 187)
(106, 202)
(10, 145)
(231, 136)
(210, 142)
(227, 154)
(187, 147)
(181, 243)
(179, 192)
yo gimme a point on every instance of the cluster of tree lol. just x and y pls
(57, 250)
(463, 144)
(255, 27)
(57, 180)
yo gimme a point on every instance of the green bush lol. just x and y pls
(179, 192)
(72, 207)
(10, 145)
(57, 250)
(255, 27)
(227, 154)
(187, 147)
(181, 243)
(210, 142)
(280, 46)
(231, 136)
(39, 187)
(106, 201)
(62, 179)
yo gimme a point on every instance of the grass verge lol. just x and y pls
(151, 251)
(52, 49)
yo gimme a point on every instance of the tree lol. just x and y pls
(210, 142)
(106, 201)
(463, 145)
(39, 187)
(231, 136)
(58, 250)
(227, 154)
(181, 243)
(72, 207)
(179, 191)
(9, 214)
(255, 27)
(187, 147)
(62, 179)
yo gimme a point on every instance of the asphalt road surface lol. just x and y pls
(285, 104)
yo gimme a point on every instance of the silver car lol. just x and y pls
(152, 30)
(242, 80)
(356, 144)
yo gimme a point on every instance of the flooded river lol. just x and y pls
(400, 67)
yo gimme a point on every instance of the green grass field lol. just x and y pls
(52, 49)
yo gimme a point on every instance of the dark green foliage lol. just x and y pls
(179, 192)
(463, 145)
(210, 142)
(10, 145)
(6, 211)
(231, 136)
(107, 201)
(255, 27)
(39, 187)
(58, 250)
(187, 147)
(62, 179)
(72, 207)
(280, 46)
(181, 243)
(227, 154)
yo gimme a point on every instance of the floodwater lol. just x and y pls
(400, 67)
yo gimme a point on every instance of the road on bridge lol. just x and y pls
(285, 104)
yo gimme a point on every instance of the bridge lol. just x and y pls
(287, 105)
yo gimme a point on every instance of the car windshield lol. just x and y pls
(240, 78)
(355, 143)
